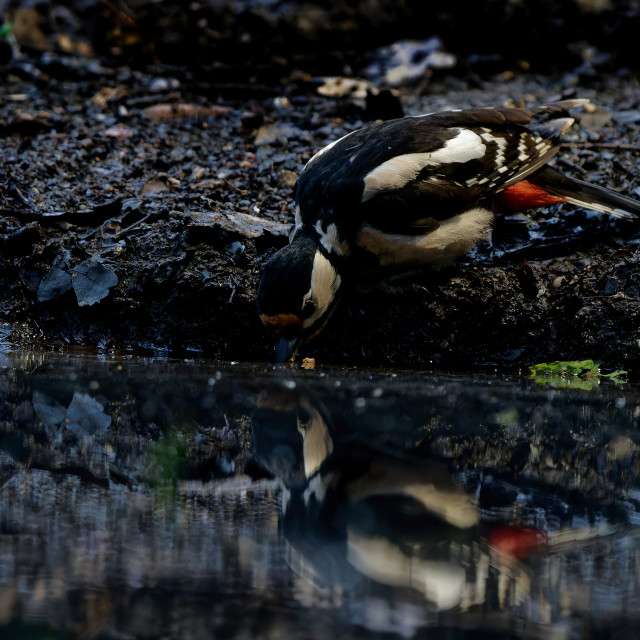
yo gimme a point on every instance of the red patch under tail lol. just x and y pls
(525, 195)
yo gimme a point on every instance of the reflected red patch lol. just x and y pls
(517, 542)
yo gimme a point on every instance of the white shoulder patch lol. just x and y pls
(400, 170)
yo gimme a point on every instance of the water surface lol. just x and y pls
(150, 498)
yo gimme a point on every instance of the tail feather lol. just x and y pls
(561, 106)
(586, 195)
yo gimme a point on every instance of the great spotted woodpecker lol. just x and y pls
(412, 191)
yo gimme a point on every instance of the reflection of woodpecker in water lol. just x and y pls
(351, 511)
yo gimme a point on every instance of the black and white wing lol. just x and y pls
(405, 176)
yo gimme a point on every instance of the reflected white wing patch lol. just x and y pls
(400, 170)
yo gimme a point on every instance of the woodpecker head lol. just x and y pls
(297, 294)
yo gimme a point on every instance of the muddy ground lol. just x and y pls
(139, 203)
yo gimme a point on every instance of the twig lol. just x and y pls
(233, 186)
(25, 201)
(603, 145)
(132, 226)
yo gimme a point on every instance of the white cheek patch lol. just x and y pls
(325, 282)
(398, 171)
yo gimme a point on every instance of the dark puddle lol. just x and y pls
(177, 499)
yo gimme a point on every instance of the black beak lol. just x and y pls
(287, 349)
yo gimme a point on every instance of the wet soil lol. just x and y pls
(138, 206)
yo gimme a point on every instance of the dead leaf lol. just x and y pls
(289, 178)
(26, 29)
(65, 43)
(243, 224)
(167, 111)
(209, 183)
(118, 131)
(107, 94)
(25, 125)
(154, 186)
(338, 87)
(92, 281)
(74, 46)
(277, 133)
(54, 284)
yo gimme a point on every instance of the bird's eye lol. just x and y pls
(308, 309)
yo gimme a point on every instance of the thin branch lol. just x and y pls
(603, 145)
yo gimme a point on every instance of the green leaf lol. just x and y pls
(583, 374)
(5, 30)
